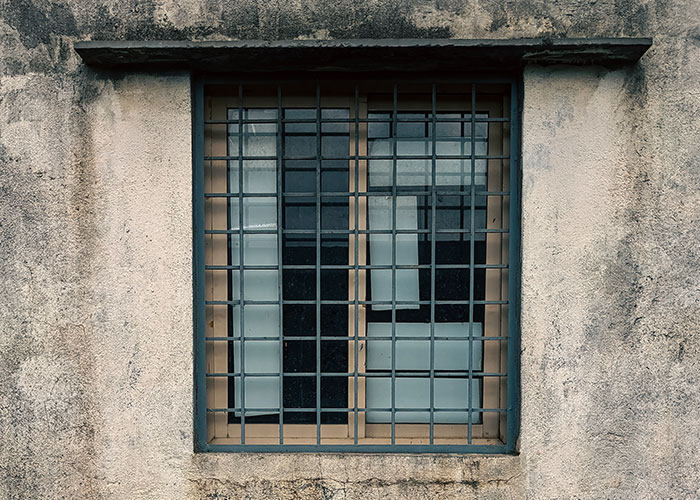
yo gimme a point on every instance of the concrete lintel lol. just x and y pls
(360, 55)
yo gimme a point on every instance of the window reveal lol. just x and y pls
(373, 230)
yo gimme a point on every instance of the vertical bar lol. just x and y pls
(356, 261)
(513, 382)
(240, 247)
(393, 266)
(471, 261)
(318, 263)
(279, 259)
(433, 210)
(230, 328)
(198, 265)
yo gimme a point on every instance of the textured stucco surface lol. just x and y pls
(95, 261)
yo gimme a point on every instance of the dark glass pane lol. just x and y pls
(334, 356)
(455, 248)
(335, 146)
(452, 284)
(335, 114)
(299, 146)
(452, 313)
(334, 394)
(452, 248)
(478, 313)
(299, 392)
(299, 249)
(300, 114)
(411, 129)
(480, 252)
(479, 284)
(334, 249)
(379, 130)
(299, 176)
(334, 284)
(299, 213)
(299, 284)
(299, 320)
(334, 213)
(334, 176)
(334, 319)
(424, 284)
(299, 356)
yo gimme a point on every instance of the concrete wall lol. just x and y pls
(95, 260)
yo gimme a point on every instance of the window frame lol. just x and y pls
(513, 361)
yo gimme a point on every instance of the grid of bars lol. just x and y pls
(358, 234)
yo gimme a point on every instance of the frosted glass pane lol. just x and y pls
(450, 147)
(453, 172)
(258, 213)
(380, 215)
(259, 249)
(380, 173)
(260, 392)
(414, 147)
(261, 285)
(260, 176)
(413, 172)
(259, 139)
(260, 320)
(408, 172)
(260, 356)
(380, 147)
(414, 393)
(415, 354)
(448, 129)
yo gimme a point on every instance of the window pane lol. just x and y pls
(258, 213)
(381, 251)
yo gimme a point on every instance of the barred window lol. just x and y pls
(355, 265)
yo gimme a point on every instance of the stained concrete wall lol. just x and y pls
(95, 261)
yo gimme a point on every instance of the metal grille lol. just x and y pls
(356, 265)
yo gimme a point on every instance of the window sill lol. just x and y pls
(356, 475)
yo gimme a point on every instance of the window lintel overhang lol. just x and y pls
(357, 55)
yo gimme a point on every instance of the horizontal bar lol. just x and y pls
(311, 267)
(350, 231)
(349, 302)
(348, 158)
(444, 190)
(333, 121)
(349, 338)
(415, 374)
(359, 409)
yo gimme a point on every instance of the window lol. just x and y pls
(354, 243)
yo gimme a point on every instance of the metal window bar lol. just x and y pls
(394, 177)
(363, 157)
(280, 273)
(318, 263)
(241, 257)
(355, 371)
(433, 227)
(363, 120)
(471, 260)
(356, 270)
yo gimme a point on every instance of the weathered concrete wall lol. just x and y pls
(95, 294)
